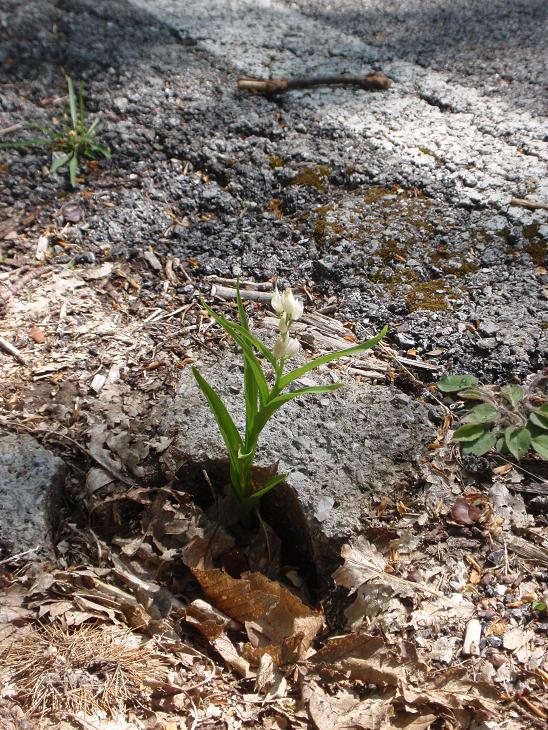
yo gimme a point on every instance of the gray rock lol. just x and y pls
(338, 449)
(404, 340)
(31, 479)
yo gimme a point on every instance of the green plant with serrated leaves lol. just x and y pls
(263, 397)
(70, 140)
(511, 419)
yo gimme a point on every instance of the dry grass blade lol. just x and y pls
(55, 671)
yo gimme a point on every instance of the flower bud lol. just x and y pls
(283, 325)
(279, 348)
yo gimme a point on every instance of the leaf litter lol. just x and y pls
(182, 630)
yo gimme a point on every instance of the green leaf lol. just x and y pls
(539, 420)
(59, 162)
(72, 103)
(454, 383)
(517, 440)
(100, 149)
(470, 432)
(313, 364)
(253, 374)
(501, 445)
(513, 394)
(540, 417)
(540, 444)
(227, 427)
(266, 413)
(473, 394)
(35, 142)
(539, 606)
(73, 170)
(82, 118)
(482, 445)
(237, 331)
(484, 413)
(270, 485)
(92, 127)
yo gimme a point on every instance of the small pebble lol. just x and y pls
(496, 557)
(86, 257)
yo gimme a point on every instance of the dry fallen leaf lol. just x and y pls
(369, 659)
(465, 513)
(37, 335)
(344, 709)
(285, 625)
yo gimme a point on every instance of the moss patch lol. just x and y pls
(275, 161)
(313, 177)
(430, 295)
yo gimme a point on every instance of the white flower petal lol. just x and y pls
(276, 302)
(291, 306)
(292, 347)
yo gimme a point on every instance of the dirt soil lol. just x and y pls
(424, 207)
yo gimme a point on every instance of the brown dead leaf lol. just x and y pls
(209, 621)
(514, 639)
(37, 335)
(362, 561)
(465, 513)
(496, 628)
(269, 606)
(451, 692)
(269, 680)
(345, 709)
(370, 660)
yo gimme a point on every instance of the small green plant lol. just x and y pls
(512, 419)
(261, 399)
(71, 140)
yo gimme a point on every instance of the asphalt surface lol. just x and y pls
(396, 203)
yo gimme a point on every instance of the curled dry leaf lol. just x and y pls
(464, 512)
(277, 621)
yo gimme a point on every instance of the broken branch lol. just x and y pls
(376, 81)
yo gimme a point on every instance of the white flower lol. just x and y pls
(286, 347)
(292, 348)
(286, 303)
(276, 302)
(291, 306)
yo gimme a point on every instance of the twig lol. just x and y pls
(376, 81)
(12, 558)
(7, 130)
(11, 350)
(256, 285)
(225, 292)
(531, 204)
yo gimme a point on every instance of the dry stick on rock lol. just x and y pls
(531, 204)
(376, 81)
